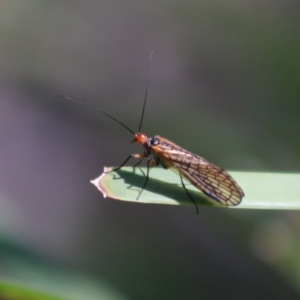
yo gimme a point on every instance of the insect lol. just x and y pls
(207, 177)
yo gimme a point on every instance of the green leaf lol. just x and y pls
(9, 291)
(262, 190)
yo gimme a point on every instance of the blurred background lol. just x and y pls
(225, 84)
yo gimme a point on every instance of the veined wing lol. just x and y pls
(210, 179)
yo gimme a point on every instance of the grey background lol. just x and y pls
(224, 84)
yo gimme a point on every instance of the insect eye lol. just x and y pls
(154, 141)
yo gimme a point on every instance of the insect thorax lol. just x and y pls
(154, 141)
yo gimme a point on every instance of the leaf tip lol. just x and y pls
(97, 183)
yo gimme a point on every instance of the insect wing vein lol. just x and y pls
(210, 179)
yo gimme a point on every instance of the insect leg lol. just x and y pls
(147, 178)
(183, 185)
(140, 156)
(137, 163)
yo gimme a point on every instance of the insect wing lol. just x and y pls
(214, 182)
(210, 179)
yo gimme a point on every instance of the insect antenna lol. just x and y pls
(94, 108)
(146, 93)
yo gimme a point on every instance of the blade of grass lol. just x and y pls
(10, 291)
(262, 190)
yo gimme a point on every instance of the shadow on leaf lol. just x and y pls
(175, 191)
